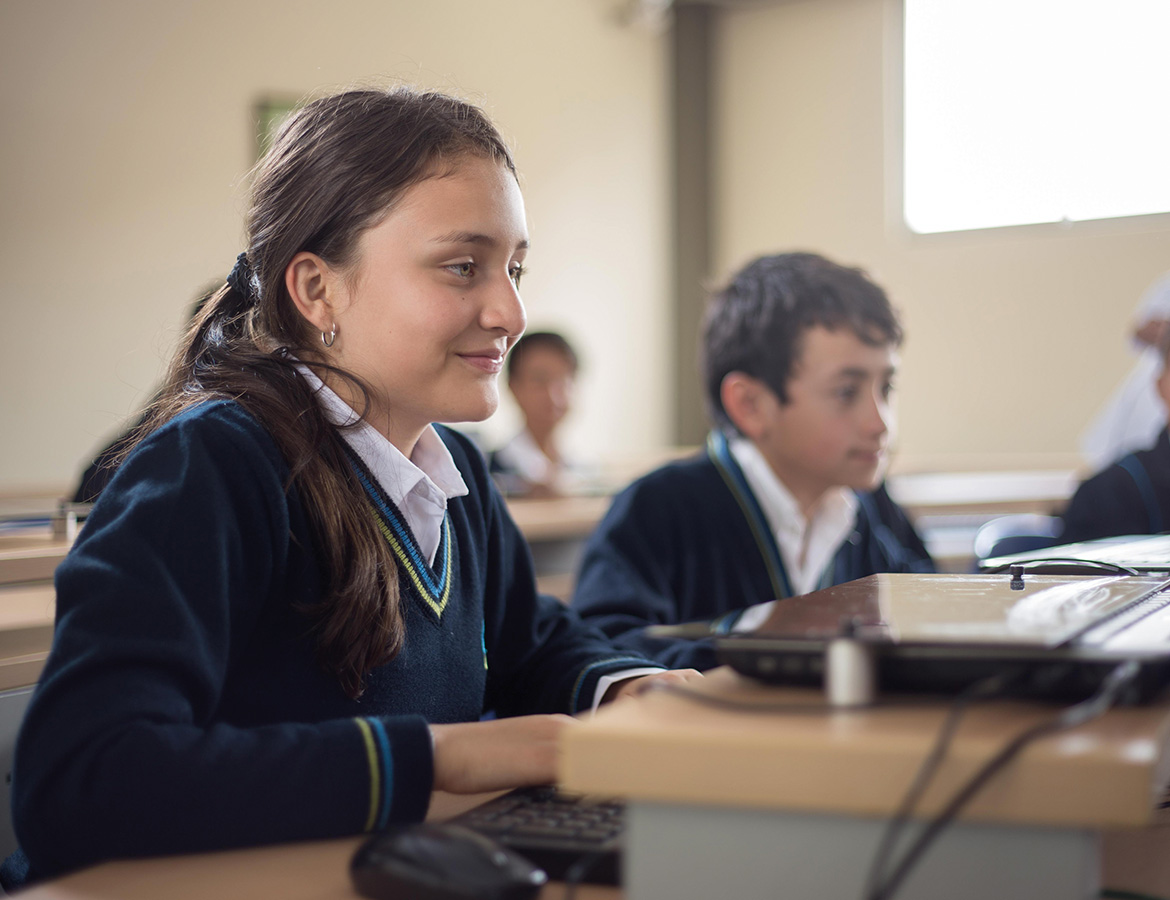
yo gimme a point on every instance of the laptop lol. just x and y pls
(942, 633)
(1142, 553)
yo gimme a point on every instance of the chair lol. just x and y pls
(1016, 534)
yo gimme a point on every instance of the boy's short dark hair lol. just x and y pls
(534, 339)
(756, 323)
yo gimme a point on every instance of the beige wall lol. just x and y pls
(127, 135)
(1015, 336)
(126, 138)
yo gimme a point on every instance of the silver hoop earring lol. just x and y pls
(328, 339)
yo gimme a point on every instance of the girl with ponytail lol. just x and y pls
(296, 599)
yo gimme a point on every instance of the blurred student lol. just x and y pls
(800, 356)
(297, 596)
(102, 466)
(1135, 413)
(1132, 496)
(542, 372)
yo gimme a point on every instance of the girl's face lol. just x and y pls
(433, 305)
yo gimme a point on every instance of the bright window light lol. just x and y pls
(1025, 111)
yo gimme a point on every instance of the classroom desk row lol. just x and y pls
(948, 506)
(723, 802)
(26, 632)
(556, 530)
(743, 804)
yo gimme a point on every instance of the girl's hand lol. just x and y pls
(473, 757)
(631, 687)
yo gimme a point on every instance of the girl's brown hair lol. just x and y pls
(337, 168)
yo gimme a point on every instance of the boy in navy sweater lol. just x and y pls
(799, 362)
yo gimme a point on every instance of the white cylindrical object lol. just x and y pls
(850, 673)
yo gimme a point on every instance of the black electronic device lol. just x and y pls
(442, 862)
(573, 837)
(943, 633)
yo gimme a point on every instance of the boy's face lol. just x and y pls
(543, 387)
(835, 428)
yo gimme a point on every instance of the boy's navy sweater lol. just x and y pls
(181, 708)
(1132, 496)
(689, 543)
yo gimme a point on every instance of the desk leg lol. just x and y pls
(685, 852)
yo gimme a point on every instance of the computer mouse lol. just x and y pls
(441, 862)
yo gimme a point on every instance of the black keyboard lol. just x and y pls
(556, 830)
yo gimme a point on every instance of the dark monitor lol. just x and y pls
(941, 633)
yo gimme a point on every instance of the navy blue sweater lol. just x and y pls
(181, 708)
(689, 542)
(1132, 496)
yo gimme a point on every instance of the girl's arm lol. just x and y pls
(126, 750)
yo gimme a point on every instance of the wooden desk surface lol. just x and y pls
(318, 870)
(314, 870)
(31, 556)
(26, 632)
(664, 747)
(933, 493)
(558, 518)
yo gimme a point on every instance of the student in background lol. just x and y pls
(799, 362)
(297, 596)
(1135, 413)
(1132, 496)
(101, 468)
(542, 371)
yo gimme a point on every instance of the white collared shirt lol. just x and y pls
(807, 546)
(420, 486)
(523, 456)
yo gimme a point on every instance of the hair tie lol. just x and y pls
(242, 279)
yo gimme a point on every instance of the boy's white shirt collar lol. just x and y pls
(832, 522)
(419, 486)
(524, 455)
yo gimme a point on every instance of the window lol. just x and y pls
(1026, 111)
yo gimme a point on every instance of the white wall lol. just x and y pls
(127, 133)
(1015, 336)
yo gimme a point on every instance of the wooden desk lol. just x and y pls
(558, 518)
(26, 632)
(661, 746)
(939, 493)
(949, 507)
(729, 803)
(30, 556)
(317, 870)
(27, 602)
(556, 529)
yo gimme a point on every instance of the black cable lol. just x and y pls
(1106, 696)
(1095, 565)
(986, 689)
